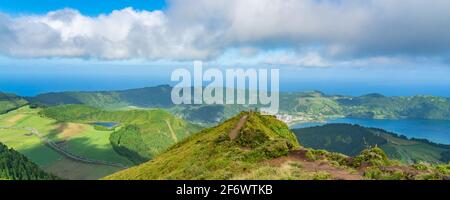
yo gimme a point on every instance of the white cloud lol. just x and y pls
(317, 32)
(122, 34)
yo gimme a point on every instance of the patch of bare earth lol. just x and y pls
(299, 157)
(68, 130)
(15, 118)
(235, 132)
(172, 133)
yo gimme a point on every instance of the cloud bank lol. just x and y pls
(307, 32)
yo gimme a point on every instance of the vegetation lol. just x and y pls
(145, 97)
(15, 166)
(374, 164)
(372, 106)
(266, 149)
(352, 139)
(79, 139)
(142, 135)
(309, 105)
(9, 102)
(211, 154)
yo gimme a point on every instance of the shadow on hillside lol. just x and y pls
(61, 165)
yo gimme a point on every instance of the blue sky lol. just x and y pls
(346, 46)
(87, 7)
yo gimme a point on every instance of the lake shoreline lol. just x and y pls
(437, 131)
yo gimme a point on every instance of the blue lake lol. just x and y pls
(434, 130)
(106, 124)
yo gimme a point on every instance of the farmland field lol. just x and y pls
(79, 139)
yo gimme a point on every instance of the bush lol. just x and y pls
(443, 169)
(373, 173)
(321, 176)
(422, 166)
(310, 156)
(373, 156)
(429, 176)
(376, 173)
(276, 148)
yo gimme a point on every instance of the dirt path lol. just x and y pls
(174, 136)
(317, 166)
(235, 132)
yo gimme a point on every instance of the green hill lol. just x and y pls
(317, 105)
(311, 105)
(141, 134)
(15, 166)
(149, 97)
(254, 146)
(211, 154)
(352, 139)
(10, 102)
(144, 97)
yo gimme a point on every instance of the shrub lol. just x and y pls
(276, 148)
(422, 166)
(373, 156)
(443, 169)
(428, 176)
(373, 173)
(310, 156)
(376, 173)
(321, 176)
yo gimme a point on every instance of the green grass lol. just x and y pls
(210, 154)
(142, 135)
(10, 102)
(16, 166)
(352, 139)
(89, 143)
(95, 144)
(29, 145)
(413, 153)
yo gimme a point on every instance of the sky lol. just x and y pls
(87, 7)
(353, 47)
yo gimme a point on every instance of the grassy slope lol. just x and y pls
(142, 133)
(351, 139)
(14, 166)
(10, 102)
(263, 150)
(211, 155)
(87, 142)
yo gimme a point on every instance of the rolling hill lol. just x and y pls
(141, 134)
(29, 133)
(10, 102)
(352, 139)
(15, 166)
(372, 106)
(313, 105)
(255, 146)
(148, 97)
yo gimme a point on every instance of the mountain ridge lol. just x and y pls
(264, 148)
(313, 105)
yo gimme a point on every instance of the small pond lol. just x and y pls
(106, 124)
